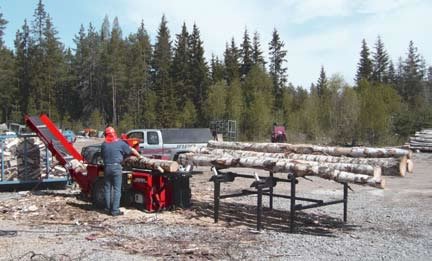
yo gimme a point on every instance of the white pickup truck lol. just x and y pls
(169, 143)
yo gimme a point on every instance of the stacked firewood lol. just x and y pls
(421, 141)
(26, 159)
(358, 165)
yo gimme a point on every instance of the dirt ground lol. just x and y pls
(389, 224)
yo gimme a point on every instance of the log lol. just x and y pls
(153, 164)
(299, 169)
(389, 166)
(421, 148)
(355, 152)
(421, 139)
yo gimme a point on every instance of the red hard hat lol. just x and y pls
(109, 130)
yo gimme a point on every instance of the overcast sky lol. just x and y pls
(315, 32)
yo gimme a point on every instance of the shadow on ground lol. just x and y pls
(236, 214)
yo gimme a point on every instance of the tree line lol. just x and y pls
(130, 82)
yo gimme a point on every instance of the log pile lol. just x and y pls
(357, 165)
(25, 159)
(421, 141)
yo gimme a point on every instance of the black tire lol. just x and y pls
(98, 197)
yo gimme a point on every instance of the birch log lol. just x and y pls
(354, 152)
(154, 164)
(389, 166)
(299, 169)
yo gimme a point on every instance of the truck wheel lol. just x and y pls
(98, 197)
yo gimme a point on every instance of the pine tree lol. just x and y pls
(364, 69)
(278, 71)
(321, 85)
(245, 55)
(257, 54)
(199, 74)
(380, 63)
(166, 108)
(231, 61)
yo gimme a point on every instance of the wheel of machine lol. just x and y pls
(98, 197)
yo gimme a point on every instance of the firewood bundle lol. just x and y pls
(26, 159)
(357, 165)
(421, 141)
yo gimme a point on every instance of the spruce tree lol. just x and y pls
(7, 78)
(180, 69)
(140, 106)
(245, 55)
(278, 71)
(380, 63)
(412, 74)
(257, 54)
(161, 63)
(231, 61)
(392, 80)
(217, 69)
(321, 85)
(22, 54)
(53, 63)
(364, 69)
(3, 23)
(199, 74)
(117, 72)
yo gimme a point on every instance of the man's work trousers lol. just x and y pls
(113, 180)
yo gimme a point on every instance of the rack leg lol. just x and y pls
(292, 206)
(271, 193)
(216, 201)
(345, 201)
(259, 209)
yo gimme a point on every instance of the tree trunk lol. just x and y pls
(389, 166)
(355, 152)
(153, 164)
(299, 169)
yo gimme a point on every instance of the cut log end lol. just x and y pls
(377, 172)
(410, 166)
(403, 166)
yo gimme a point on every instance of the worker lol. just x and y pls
(113, 152)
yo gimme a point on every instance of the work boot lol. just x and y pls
(117, 213)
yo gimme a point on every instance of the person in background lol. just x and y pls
(114, 151)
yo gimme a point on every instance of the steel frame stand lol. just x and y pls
(264, 186)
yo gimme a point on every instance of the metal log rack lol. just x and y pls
(19, 184)
(264, 187)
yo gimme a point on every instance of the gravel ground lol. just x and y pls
(390, 224)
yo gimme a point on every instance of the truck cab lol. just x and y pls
(168, 143)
